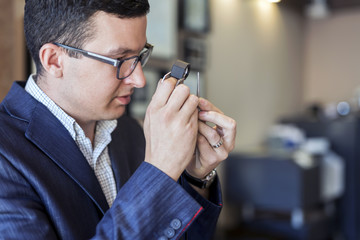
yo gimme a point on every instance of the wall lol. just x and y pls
(6, 30)
(255, 65)
(332, 57)
(12, 59)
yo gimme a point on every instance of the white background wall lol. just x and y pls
(332, 57)
(255, 65)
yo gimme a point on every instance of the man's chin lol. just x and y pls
(114, 114)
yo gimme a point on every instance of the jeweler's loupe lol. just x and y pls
(180, 70)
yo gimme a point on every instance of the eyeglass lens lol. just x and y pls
(129, 65)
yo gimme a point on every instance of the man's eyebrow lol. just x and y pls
(119, 51)
(122, 51)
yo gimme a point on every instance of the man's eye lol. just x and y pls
(120, 58)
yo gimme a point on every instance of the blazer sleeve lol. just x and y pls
(204, 226)
(149, 201)
(149, 206)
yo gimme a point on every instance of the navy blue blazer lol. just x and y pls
(49, 191)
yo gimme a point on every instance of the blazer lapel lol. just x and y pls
(57, 143)
(127, 149)
(46, 132)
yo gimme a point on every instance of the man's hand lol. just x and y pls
(171, 128)
(224, 130)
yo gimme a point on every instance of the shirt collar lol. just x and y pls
(103, 126)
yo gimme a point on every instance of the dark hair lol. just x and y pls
(69, 21)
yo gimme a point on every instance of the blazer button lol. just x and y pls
(175, 224)
(163, 238)
(169, 232)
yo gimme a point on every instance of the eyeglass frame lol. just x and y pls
(114, 62)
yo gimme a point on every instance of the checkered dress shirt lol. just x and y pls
(98, 157)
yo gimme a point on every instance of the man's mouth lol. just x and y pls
(124, 100)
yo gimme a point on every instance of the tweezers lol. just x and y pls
(197, 154)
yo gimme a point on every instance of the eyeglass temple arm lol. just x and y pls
(95, 56)
(104, 59)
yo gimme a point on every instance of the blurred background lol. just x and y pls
(288, 73)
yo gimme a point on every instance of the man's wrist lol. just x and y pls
(201, 183)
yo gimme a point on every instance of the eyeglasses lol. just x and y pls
(125, 67)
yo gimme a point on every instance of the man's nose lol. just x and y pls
(137, 77)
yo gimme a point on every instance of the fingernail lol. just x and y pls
(202, 101)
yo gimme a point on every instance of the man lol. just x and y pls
(69, 169)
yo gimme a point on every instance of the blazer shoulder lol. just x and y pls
(18, 103)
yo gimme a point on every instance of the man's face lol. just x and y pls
(89, 90)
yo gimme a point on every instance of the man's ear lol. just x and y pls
(51, 57)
